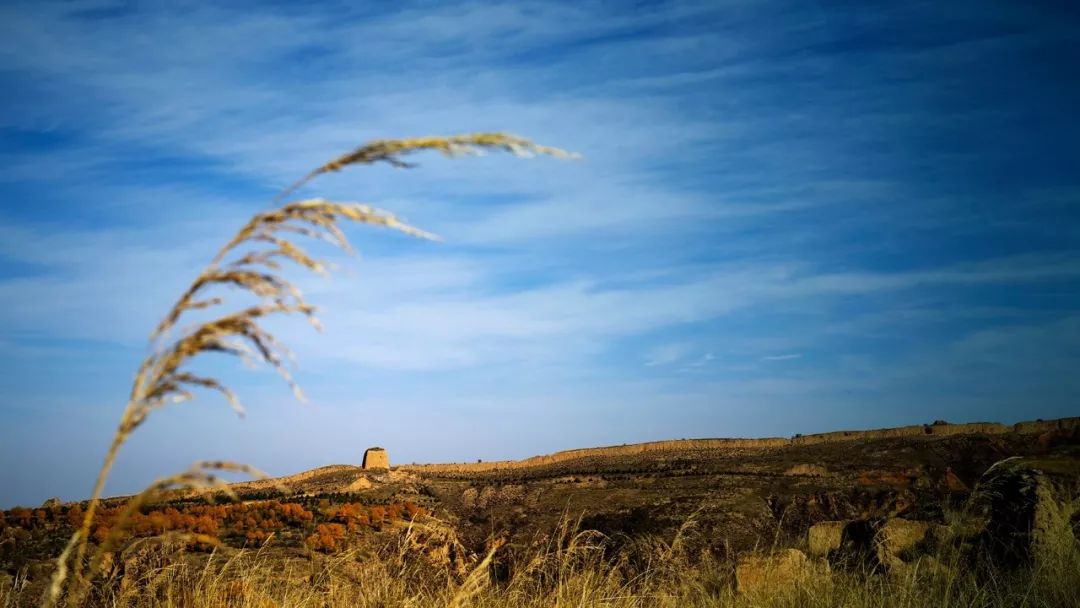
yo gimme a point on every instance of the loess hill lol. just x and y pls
(741, 495)
(739, 490)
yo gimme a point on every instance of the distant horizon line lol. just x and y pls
(938, 428)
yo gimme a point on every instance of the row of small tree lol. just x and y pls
(325, 527)
(349, 517)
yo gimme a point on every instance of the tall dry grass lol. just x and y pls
(572, 568)
(251, 262)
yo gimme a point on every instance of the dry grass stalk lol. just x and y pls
(162, 377)
(390, 151)
(572, 568)
(476, 581)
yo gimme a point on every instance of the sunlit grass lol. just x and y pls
(573, 568)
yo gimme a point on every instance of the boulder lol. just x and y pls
(784, 570)
(876, 545)
(896, 538)
(51, 503)
(856, 551)
(824, 537)
(1034, 511)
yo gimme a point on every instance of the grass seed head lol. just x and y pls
(257, 251)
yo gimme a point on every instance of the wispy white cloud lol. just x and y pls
(430, 310)
(666, 354)
(787, 357)
(702, 361)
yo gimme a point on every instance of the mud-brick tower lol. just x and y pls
(376, 458)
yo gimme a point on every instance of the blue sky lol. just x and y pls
(791, 217)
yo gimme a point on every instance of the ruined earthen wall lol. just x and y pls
(903, 431)
(1043, 426)
(918, 430)
(621, 450)
(973, 428)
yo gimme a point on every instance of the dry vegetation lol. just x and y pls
(163, 377)
(570, 568)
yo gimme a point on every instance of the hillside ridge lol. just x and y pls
(346, 476)
(935, 430)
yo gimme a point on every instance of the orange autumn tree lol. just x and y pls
(412, 511)
(326, 537)
(75, 515)
(352, 515)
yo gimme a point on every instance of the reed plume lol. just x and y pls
(251, 262)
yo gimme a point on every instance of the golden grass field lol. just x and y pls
(572, 569)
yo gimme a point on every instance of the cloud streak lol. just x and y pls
(787, 357)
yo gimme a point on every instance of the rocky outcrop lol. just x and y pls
(874, 545)
(1034, 510)
(897, 539)
(857, 551)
